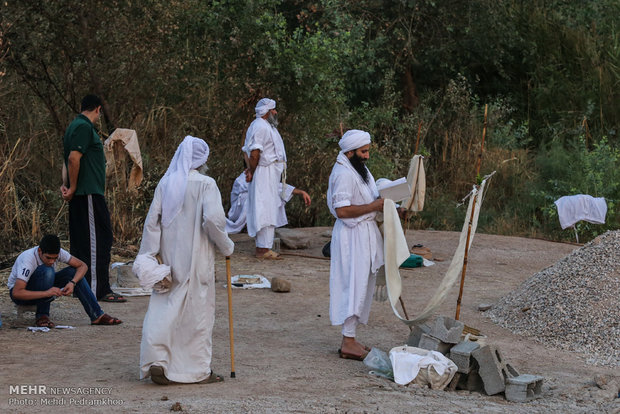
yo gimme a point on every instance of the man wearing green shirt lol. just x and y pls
(90, 229)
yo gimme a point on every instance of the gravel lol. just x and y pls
(573, 304)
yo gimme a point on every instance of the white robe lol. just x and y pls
(356, 246)
(264, 203)
(178, 325)
(238, 212)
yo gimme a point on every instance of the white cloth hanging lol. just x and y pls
(572, 209)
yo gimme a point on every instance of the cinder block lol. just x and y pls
(447, 330)
(471, 382)
(460, 354)
(416, 334)
(493, 370)
(523, 388)
(433, 344)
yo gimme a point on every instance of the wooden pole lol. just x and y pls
(484, 133)
(230, 319)
(471, 219)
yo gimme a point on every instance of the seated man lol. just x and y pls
(34, 281)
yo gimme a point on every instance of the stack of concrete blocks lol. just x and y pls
(440, 336)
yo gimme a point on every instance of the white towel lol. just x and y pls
(572, 209)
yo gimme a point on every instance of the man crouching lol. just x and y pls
(35, 281)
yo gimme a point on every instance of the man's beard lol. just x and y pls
(359, 164)
(273, 120)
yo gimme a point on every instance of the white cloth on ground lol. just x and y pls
(190, 154)
(572, 209)
(265, 206)
(178, 326)
(237, 214)
(409, 363)
(356, 245)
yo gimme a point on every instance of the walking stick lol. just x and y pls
(471, 218)
(230, 319)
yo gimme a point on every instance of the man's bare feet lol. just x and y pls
(351, 349)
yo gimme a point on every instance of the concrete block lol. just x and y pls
(416, 334)
(292, 238)
(460, 354)
(493, 371)
(523, 388)
(471, 382)
(21, 311)
(433, 344)
(447, 330)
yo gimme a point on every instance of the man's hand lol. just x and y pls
(54, 291)
(67, 193)
(68, 289)
(304, 195)
(248, 175)
(377, 205)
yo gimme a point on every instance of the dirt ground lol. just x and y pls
(286, 357)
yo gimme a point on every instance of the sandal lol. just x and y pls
(113, 297)
(106, 319)
(44, 321)
(158, 376)
(212, 378)
(270, 255)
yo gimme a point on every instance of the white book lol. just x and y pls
(396, 191)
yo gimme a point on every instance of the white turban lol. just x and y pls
(353, 139)
(191, 154)
(263, 106)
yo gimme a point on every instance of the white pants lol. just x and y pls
(350, 326)
(264, 237)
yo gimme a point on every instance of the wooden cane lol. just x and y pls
(230, 319)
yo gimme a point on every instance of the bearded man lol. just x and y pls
(184, 225)
(266, 159)
(357, 244)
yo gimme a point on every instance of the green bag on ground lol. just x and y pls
(413, 261)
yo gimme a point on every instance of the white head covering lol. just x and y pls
(353, 139)
(263, 106)
(191, 154)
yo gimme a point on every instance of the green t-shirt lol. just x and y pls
(81, 136)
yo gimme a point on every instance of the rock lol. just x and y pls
(483, 307)
(176, 407)
(293, 238)
(280, 285)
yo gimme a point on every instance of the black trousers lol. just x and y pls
(90, 232)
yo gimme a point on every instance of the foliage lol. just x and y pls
(411, 72)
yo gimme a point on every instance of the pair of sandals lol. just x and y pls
(159, 377)
(44, 321)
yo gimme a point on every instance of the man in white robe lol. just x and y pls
(237, 214)
(266, 158)
(184, 225)
(357, 244)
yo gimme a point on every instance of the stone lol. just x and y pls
(416, 334)
(447, 330)
(460, 354)
(483, 307)
(292, 238)
(493, 370)
(123, 276)
(523, 388)
(280, 285)
(433, 344)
